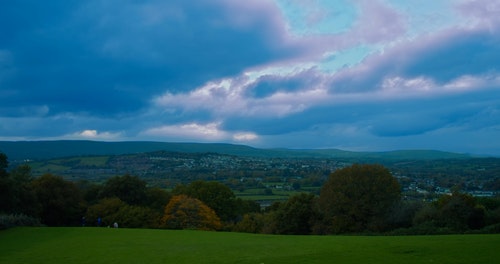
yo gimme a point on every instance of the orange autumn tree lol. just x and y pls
(184, 212)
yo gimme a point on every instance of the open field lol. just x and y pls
(105, 245)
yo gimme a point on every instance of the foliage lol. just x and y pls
(130, 189)
(133, 216)
(16, 194)
(215, 195)
(297, 215)
(60, 200)
(4, 163)
(157, 199)
(426, 228)
(107, 210)
(358, 198)
(251, 223)
(184, 212)
(22, 197)
(492, 206)
(460, 212)
(457, 212)
(90, 191)
(245, 206)
(491, 229)
(15, 220)
(5, 194)
(402, 214)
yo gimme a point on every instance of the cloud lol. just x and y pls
(9, 109)
(242, 97)
(481, 13)
(109, 58)
(267, 73)
(88, 133)
(94, 135)
(378, 22)
(208, 132)
(191, 130)
(245, 137)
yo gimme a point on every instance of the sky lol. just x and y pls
(360, 75)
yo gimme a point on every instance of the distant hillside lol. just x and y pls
(36, 150)
(21, 150)
(390, 155)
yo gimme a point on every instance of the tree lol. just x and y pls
(4, 163)
(215, 195)
(297, 215)
(184, 212)
(461, 212)
(251, 223)
(111, 210)
(22, 196)
(246, 206)
(403, 213)
(5, 185)
(359, 198)
(107, 210)
(90, 191)
(492, 207)
(133, 216)
(157, 199)
(129, 189)
(456, 212)
(16, 194)
(60, 200)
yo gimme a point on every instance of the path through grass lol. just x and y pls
(107, 245)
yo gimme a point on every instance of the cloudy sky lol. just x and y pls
(369, 75)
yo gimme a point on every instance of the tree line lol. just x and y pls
(357, 199)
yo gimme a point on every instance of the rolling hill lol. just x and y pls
(36, 150)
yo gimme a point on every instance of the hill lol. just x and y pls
(37, 150)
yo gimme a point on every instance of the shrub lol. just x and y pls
(13, 220)
(251, 223)
(184, 212)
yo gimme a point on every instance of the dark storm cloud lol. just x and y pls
(110, 57)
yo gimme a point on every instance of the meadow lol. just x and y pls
(109, 245)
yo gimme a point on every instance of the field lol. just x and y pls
(108, 245)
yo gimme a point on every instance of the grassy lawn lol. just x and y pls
(263, 197)
(94, 161)
(257, 194)
(107, 245)
(41, 168)
(58, 166)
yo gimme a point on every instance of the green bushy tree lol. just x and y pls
(359, 198)
(250, 223)
(60, 200)
(130, 189)
(215, 195)
(297, 215)
(107, 210)
(456, 213)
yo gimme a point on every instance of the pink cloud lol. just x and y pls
(377, 22)
(484, 13)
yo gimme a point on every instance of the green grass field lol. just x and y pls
(107, 245)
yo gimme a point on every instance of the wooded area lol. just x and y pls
(355, 199)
